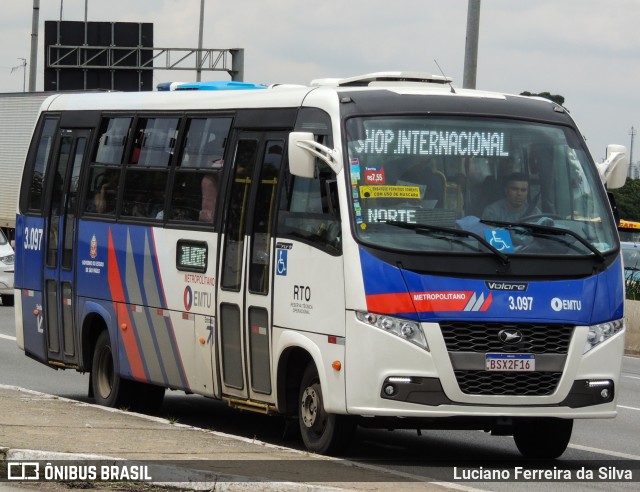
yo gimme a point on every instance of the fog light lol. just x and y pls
(604, 394)
(389, 389)
(399, 379)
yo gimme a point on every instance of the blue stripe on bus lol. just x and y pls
(390, 290)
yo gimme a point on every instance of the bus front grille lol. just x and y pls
(507, 384)
(535, 338)
(465, 341)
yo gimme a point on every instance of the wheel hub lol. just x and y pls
(309, 411)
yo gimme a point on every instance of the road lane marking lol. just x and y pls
(605, 451)
(629, 408)
(631, 377)
(8, 337)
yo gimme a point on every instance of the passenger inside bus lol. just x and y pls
(209, 188)
(103, 200)
(515, 204)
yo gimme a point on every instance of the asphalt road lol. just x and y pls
(406, 452)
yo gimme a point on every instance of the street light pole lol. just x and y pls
(471, 45)
(34, 45)
(199, 58)
(633, 133)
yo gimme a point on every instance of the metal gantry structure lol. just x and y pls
(147, 58)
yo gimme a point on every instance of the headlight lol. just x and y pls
(405, 329)
(7, 260)
(601, 332)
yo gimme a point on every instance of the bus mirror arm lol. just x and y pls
(613, 171)
(303, 150)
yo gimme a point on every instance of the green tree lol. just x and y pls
(556, 98)
(627, 200)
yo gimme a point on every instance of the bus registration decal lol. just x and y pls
(510, 362)
(33, 238)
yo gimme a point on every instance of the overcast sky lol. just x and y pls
(585, 50)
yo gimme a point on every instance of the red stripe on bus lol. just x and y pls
(487, 303)
(390, 303)
(421, 302)
(124, 320)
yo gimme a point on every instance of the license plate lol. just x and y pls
(510, 362)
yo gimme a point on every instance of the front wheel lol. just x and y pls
(322, 432)
(7, 300)
(542, 438)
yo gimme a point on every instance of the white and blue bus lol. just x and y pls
(331, 253)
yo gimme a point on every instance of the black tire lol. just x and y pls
(542, 438)
(7, 300)
(109, 389)
(322, 432)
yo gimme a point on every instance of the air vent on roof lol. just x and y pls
(385, 78)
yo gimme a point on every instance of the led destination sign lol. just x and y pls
(434, 142)
(192, 256)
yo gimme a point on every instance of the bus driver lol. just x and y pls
(514, 206)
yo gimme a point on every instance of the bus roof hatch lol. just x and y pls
(384, 78)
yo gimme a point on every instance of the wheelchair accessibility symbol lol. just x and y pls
(499, 239)
(281, 262)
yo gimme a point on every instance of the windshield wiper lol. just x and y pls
(430, 229)
(551, 230)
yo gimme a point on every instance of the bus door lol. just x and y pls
(59, 270)
(245, 288)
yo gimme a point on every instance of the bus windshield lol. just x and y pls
(524, 187)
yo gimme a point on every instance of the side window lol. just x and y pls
(309, 209)
(102, 190)
(104, 174)
(197, 178)
(45, 145)
(112, 140)
(146, 175)
(155, 139)
(144, 193)
(204, 143)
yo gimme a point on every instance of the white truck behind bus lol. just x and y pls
(18, 116)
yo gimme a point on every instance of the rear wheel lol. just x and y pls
(542, 438)
(322, 432)
(7, 300)
(109, 389)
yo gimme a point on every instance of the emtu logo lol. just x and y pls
(188, 298)
(558, 304)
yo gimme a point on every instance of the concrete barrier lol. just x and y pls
(632, 313)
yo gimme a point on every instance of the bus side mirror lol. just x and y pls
(303, 150)
(301, 161)
(613, 171)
